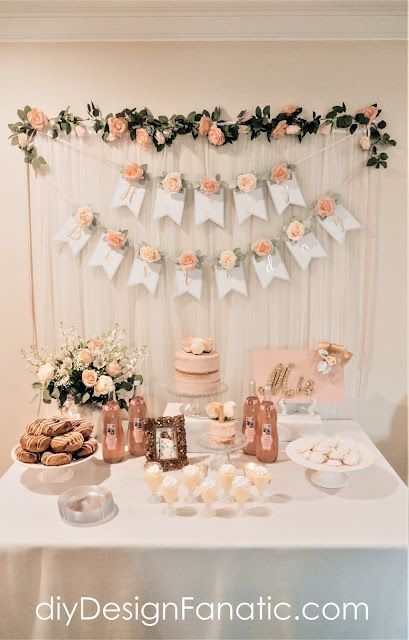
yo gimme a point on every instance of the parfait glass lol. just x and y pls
(227, 474)
(190, 479)
(170, 492)
(154, 478)
(261, 478)
(208, 491)
(241, 491)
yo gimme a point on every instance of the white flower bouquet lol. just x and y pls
(86, 370)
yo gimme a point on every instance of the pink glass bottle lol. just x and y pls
(113, 442)
(250, 419)
(137, 413)
(267, 435)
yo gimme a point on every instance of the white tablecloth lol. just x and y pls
(307, 545)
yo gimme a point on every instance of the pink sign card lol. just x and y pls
(293, 375)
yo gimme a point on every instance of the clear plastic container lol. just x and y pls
(86, 505)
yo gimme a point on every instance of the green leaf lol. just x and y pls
(46, 396)
(344, 121)
(37, 385)
(85, 398)
(383, 156)
(381, 124)
(371, 162)
(56, 393)
(13, 127)
(21, 114)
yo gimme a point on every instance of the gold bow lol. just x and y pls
(336, 349)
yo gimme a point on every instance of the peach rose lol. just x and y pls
(293, 129)
(197, 346)
(143, 139)
(85, 356)
(280, 130)
(103, 386)
(23, 140)
(204, 125)
(246, 182)
(159, 137)
(208, 186)
(84, 216)
(172, 183)
(188, 259)
(113, 369)
(325, 206)
(89, 377)
(295, 230)
(227, 259)
(325, 128)
(207, 344)
(37, 119)
(149, 254)
(95, 343)
(115, 239)
(80, 131)
(216, 135)
(365, 143)
(262, 247)
(289, 108)
(187, 344)
(133, 172)
(117, 127)
(280, 173)
(368, 112)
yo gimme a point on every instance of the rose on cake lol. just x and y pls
(197, 345)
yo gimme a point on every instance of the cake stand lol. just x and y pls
(196, 408)
(221, 452)
(53, 475)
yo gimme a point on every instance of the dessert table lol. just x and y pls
(306, 545)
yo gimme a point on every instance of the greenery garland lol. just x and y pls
(146, 129)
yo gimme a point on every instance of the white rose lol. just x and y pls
(113, 369)
(45, 373)
(228, 409)
(197, 346)
(365, 143)
(295, 230)
(293, 130)
(103, 386)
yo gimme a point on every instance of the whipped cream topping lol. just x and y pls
(258, 470)
(154, 470)
(190, 470)
(241, 481)
(170, 481)
(250, 466)
(228, 468)
(209, 483)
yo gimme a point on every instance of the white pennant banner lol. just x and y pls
(270, 267)
(286, 193)
(249, 204)
(209, 207)
(230, 280)
(129, 195)
(169, 204)
(146, 273)
(188, 281)
(74, 235)
(307, 248)
(107, 258)
(339, 223)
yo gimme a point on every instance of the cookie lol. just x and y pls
(27, 456)
(88, 448)
(49, 427)
(84, 427)
(35, 444)
(68, 443)
(50, 459)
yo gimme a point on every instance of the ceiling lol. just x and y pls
(201, 20)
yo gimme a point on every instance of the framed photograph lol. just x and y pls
(166, 442)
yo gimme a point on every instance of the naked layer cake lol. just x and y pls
(197, 367)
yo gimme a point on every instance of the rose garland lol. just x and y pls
(146, 130)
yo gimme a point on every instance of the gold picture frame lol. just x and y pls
(166, 442)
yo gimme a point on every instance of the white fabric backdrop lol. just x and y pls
(330, 301)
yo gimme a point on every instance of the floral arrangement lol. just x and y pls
(173, 183)
(326, 205)
(150, 254)
(261, 248)
(133, 173)
(221, 411)
(229, 258)
(86, 370)
(147, 130)
(197, 345)
(190, 259)
(117, 240)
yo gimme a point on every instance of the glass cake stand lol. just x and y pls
(196, 408)
(221, 452)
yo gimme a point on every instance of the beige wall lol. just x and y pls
(181, 77)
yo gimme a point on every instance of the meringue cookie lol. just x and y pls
(317, 457)
(334, 463)
(335, 455)
(351, 459)
(306, 454)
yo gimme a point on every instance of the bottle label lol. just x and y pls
(111, 437)
(138, 431)
(250, 430)
(266, 437)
